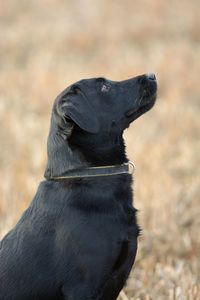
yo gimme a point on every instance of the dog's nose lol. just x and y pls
(151, 76)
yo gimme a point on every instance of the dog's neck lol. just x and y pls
(99, 149)
(80, 151)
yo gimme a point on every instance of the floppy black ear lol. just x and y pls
(78, 108)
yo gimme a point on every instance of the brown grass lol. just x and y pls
(46, 45)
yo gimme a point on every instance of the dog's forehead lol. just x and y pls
(90, 81)
(99, 81)
(98, 84)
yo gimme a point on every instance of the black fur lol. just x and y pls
(78, 238)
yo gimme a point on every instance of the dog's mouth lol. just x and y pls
(145, 104)
(148, 94)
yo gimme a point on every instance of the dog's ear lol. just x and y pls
(76, 106)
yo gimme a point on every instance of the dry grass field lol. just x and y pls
(46, 45)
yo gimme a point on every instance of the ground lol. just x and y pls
(48, 44)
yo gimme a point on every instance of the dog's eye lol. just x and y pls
(103, 84)
(105, 88)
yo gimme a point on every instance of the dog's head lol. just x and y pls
(99, 105)
(89, 118)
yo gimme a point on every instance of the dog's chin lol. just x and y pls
(145, 105)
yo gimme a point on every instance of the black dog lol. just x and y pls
(78, 238)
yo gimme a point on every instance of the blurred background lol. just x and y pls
(48, 44)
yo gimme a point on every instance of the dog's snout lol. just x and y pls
(151, 76)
